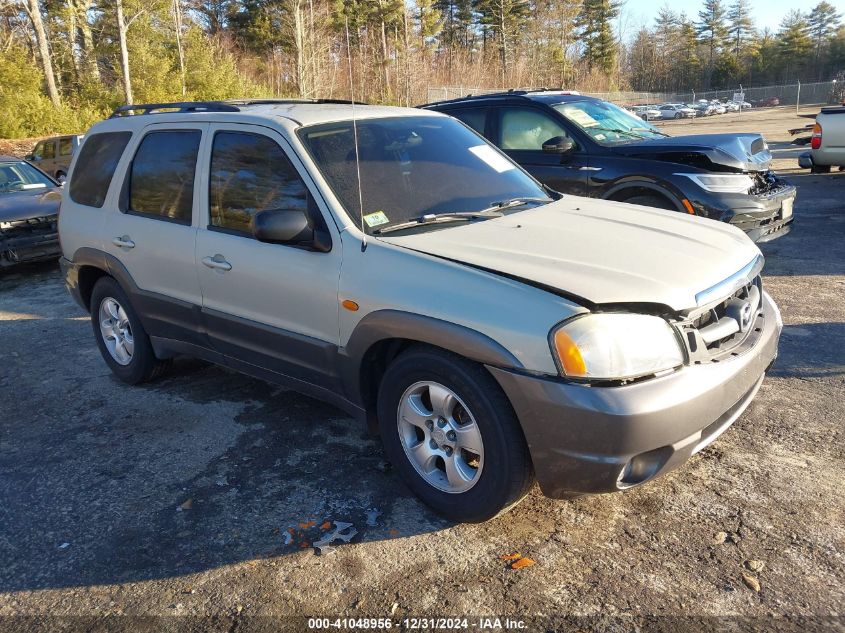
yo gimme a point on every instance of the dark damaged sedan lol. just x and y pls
(29, 207)
(589, 147)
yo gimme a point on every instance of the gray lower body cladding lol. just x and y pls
(587, 440)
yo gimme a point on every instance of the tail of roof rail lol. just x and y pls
(232, 105)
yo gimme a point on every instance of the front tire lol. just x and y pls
(452, 435)
(122, 339)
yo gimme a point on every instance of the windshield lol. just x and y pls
(606, 123)
(21, 176)
(412, 167)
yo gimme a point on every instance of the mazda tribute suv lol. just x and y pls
(393, 262)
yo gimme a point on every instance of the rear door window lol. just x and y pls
(161, 178)
(95, 167)
(49, 149)
(476, 118)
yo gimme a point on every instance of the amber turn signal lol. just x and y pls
(350, 305)
(569, 355)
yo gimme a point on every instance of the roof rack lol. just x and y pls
(179, 106)
(512, 92)
(233, 105)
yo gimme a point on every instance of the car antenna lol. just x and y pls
(355, 137)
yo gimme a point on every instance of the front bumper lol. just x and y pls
(762, 217)
(603, 439)
(34, 247)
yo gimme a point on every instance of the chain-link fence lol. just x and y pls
(821, 93)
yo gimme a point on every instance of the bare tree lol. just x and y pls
(33, 10)
(177, 23)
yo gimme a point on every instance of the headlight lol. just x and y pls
(615, 346)
(722, 183)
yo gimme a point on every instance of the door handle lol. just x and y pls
(217, 262)
(123, 241)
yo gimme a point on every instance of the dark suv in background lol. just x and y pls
(588, 147)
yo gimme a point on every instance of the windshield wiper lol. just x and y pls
(619, 131)
(438, 218)
(493, 211)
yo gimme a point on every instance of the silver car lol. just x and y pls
(490, 330)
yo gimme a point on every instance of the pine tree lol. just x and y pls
(822, 22)
(596, 25)
(503, 20)
(794, 42)
(740, 25)
(711, 29)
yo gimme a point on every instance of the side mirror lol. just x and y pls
(289, 226)
(29, 157)
(558, 145)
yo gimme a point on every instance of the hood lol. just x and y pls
(602, 252)
(35, 203)
(738, 152)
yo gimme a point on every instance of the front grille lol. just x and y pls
(767, 184)
(724, 328)
(30, 227)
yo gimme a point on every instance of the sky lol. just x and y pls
(767, 13)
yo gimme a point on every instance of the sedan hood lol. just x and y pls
(598, 251)
(736, 152)
(34, 203)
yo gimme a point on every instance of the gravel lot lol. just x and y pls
(200, 494)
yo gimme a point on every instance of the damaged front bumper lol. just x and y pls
(591, 439)
(31, 240)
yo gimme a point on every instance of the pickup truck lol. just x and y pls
(828, 141)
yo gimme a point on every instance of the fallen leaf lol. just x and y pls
(326, 525)
(751, 582)
(514, 556)
(307, 525)
(187, 505)
(522, 562)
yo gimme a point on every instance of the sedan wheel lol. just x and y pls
(440, 437)
(116, 331)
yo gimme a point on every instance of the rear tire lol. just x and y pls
(452, 435)
(657, 202)
(123, 341)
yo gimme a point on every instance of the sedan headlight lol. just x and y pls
(615, 346)
(722, 183)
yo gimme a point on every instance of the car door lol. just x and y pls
(48, 161)
(271, 306)
(153, 231)
(521, 132)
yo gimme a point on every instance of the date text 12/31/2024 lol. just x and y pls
(418, 624)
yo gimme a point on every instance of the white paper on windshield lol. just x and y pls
(492, 158)
(581, 118)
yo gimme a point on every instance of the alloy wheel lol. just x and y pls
(116, 331)
(440, 437)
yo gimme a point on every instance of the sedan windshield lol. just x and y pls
(21, 176)
(606, 123)
(416, 167)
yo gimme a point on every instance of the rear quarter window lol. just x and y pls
(95, 167)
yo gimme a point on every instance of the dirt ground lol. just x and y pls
(199, 495)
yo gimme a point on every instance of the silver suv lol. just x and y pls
(394, 263)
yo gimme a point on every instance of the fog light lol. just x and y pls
(643, 467)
